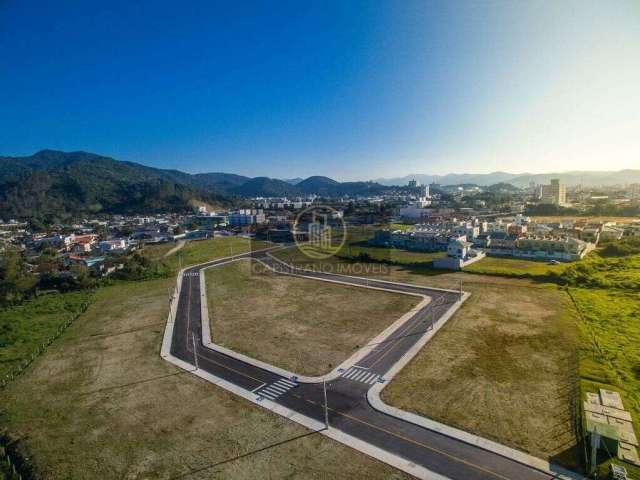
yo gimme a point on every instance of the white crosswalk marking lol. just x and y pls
(277, 388)
(361, 375)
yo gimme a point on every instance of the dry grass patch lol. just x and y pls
(306, 326)
(101, 403)
(504, 367)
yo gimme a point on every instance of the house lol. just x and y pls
(459, 248)
(118, 245)
(84, 243)
(611, 233)
(460, 253)
(89, 262)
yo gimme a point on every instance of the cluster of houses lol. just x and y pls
(97, 244)
(466, 241)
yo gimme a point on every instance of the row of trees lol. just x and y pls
(600, 209)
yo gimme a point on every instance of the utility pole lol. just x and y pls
(195, 353)
(326, 407)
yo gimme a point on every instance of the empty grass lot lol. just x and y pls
(305, 326)
(514, 267)
(504, 367)
(610, 354)
(26, 327)
(101, 403)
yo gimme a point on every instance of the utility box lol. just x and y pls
(609, 437)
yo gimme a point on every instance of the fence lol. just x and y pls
(41, 348)
(12, 463)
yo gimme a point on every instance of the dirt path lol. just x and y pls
(179, 245)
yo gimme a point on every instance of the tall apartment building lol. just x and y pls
(555, 193)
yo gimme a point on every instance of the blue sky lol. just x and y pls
(352, 90)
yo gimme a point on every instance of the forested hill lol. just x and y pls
(58, 184)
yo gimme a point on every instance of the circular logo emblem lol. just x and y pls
(324, 231)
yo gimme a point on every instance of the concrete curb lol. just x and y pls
(373, 397)
(314, 425)
(373, 394)
(413, 285)
(335, 373)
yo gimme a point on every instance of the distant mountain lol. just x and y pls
(482, 179)
(223, 182)
(59, 184)
(586, 178)
(293, 181)
(323, 186)
(266, 187)
(501, 187)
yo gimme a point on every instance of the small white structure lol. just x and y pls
(460, 253)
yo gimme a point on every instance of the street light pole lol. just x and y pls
(326, 407)
(195, 353)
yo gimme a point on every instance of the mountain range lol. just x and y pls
(58, 184)
(521, 180)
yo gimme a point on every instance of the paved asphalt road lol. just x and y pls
(349, 410)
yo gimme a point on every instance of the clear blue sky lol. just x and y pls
(352, 90)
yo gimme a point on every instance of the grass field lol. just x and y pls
(305, 326)
(390, 255)
(504, 367)
(514, 267)
(202, 250)
(610, 354)
(26, 327)
(101, 403)
(605, 289)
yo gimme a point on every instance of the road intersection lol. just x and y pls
(423, 452)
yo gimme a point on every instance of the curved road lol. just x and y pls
(349, 410)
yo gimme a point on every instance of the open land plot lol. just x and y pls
(504, 367)
(390, 255)
(25, 328)
(610, 356)
(101, 403)
(199, 251)
(303, 325)
(514, 267)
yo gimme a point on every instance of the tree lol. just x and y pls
(16, 283)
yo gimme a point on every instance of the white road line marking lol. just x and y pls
(288, 382)
(367, 378)
(363, 368)
(278, 388)
(373, 379)
(350, 373)
(269, 395)
(258, 387)
(360, 376)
